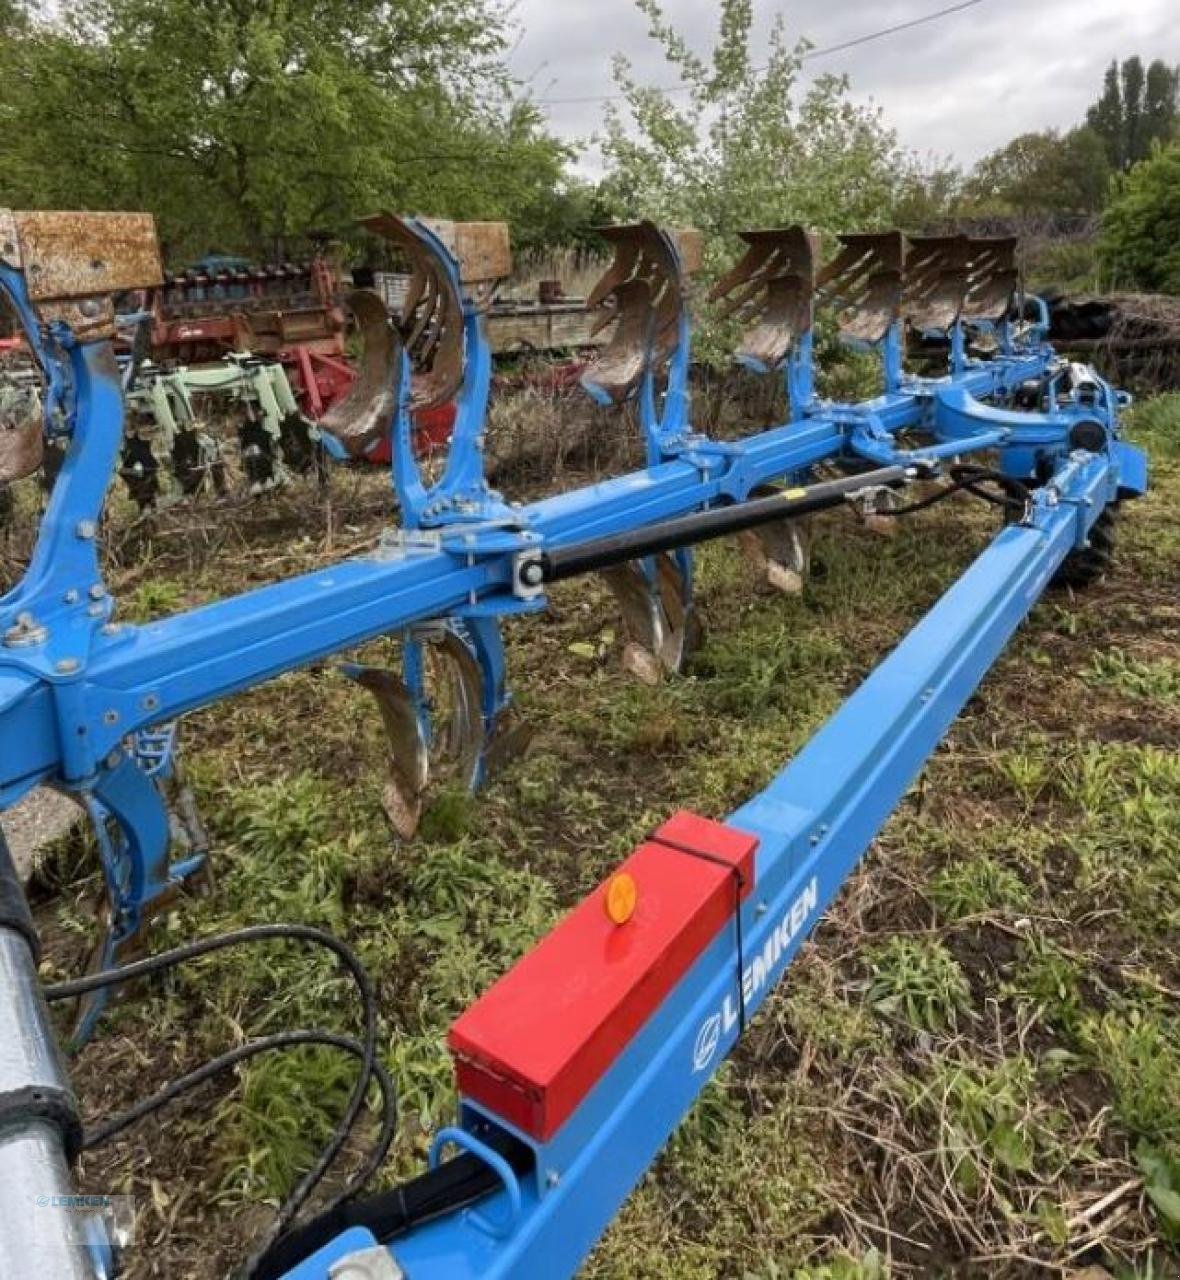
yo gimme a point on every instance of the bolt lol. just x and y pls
(112, 628)
(94, 610)
(90, 307)
(97, 591)
(151, 702)
(71, 596)
(66, 666)
(552, 1178)
(761, 909)
(25, 632)
(110, 717)
(85, 530)
(531, 574)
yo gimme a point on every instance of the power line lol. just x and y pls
(807, 57)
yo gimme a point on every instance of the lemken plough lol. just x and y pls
(576, 1066)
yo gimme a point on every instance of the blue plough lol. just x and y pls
(576, 1067)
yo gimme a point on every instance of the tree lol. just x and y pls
(1161, 104)
(1044, 173)
(243, 124)
(740, 147)
(1140, 242)
(1136, 110)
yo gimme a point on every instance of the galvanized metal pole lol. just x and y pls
(41, 1234)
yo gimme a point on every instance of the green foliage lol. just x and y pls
(283, 1117)
(988, 1115)
(1140, 244)
(843, 1266)
(1140, 1056)
(245, 126)
(977, 885)
(1136, 110)
(1137, 679)
(742, 146)
(449, 815)
(1156, 423)
(1044, 173)
(918, 980)
(1161, 1178)
(1070, 266)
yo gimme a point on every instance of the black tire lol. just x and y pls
(1085, 566)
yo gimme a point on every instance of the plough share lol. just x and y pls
(576, 1066)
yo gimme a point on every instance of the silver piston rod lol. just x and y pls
(41, 1233)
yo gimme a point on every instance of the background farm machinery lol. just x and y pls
(577, 1065)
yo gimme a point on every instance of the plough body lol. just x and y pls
(564, 1114)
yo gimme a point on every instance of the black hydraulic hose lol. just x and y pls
(701, 526)
(368, 1045)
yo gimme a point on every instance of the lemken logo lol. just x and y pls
(755, 976)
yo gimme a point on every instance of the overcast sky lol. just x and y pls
(958, 87)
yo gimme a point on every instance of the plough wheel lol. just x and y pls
(1086, 565)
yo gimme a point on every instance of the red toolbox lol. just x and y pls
(532, 1047)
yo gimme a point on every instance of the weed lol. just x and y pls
(1156, 423)
(1050, 980)
(1140, 1055)
(449, 816)
(1087, 777)
(1115, 669)
(988, 1116)
(1025, 769)
(275, 1129)
(976, 885)
(1161, 1180)
(156, 598)
(918, 980)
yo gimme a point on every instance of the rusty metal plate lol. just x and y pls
(936, 280)
(482, 249)
(690, 245)
(864, 283)
(642, 294)
(770, 290)
(995, 278)
(84, 255)
(431, 320)
(364, 417)
(21, 447)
